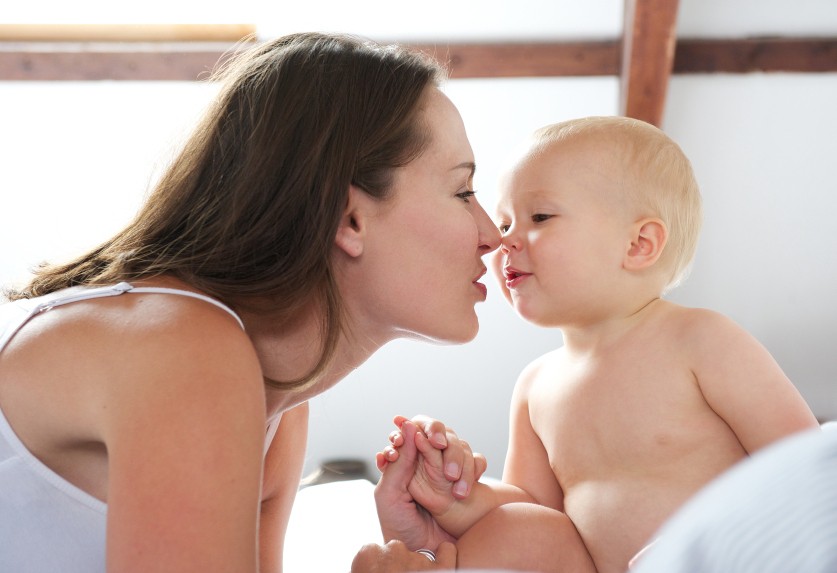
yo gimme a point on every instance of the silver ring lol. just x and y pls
(427, 553)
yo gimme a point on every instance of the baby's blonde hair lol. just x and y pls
(658, 179)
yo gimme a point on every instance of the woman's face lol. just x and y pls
(421, 260)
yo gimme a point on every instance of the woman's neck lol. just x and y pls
(293, 350)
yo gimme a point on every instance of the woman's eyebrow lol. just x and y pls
(469, 165)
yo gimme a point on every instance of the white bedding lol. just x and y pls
(329, 524)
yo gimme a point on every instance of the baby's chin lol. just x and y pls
(529, 314)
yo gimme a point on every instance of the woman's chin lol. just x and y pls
(460, 333)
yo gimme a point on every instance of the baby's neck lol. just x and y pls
(593, 338)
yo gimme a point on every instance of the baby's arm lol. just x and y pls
(528, 464)
(743, 384)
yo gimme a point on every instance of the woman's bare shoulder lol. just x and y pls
(107, 357)
(176, 344)
(138, 374)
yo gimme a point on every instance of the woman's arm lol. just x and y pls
(282, 473)
(183, 422)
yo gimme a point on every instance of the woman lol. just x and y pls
(323, 207)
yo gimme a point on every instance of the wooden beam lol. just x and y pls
(188, 61)
(515, 60)
(90, 62)
(804, 55)
(648, 43)
(184, 61)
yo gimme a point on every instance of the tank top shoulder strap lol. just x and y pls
(165, 290)
(26, 309)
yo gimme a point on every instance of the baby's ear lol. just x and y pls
(351, 232)
(647, 243)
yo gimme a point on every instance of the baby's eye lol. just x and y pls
(540, 218)
(465, 195)
(504, 228)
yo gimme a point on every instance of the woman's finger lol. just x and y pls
(446, 556)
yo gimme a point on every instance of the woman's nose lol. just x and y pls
(489, 235)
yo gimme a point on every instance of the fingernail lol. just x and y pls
(460, 488)
(439, 440)
(452, 470)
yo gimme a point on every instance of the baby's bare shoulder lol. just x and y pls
(539, 370)
(687, 324)
(546, 364)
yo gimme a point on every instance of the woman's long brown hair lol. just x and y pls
(248, 211)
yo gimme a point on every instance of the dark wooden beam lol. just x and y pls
(515, 60)
(87, 62)
(648, 43)
(805, 55)
(187, 61)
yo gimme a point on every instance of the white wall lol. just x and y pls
(75, 160)
(764, 152)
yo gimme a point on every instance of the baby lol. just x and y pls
(646, 401)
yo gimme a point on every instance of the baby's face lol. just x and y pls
(564, 233)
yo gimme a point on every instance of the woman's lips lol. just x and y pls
(481, 287)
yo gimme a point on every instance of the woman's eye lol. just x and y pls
(465, 195)
(540, 218)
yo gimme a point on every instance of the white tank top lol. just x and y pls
(46, 523)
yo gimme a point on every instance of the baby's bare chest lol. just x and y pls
(627, 440)
(621, 417)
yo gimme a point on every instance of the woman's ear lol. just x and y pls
(351, 232)
(647, 243)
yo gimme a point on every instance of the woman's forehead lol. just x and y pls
(447, 130)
